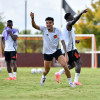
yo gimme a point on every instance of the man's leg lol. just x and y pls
(13, 61)
(14, 66)
(47, 65)
(71, 65)
(62, 71)
(8, 63)
(78, 70)
(9, 69)
(14, 69)
(62, 61)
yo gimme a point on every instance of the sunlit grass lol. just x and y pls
(27, 86)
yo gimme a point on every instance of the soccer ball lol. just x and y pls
(39, 70)
(33, 71)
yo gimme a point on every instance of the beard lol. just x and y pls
(48, 29)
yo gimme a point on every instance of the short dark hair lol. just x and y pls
(9, 21)
(49, 18)
(67, 15)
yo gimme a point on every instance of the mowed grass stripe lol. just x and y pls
(27, 86)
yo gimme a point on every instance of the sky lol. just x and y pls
(15, 10)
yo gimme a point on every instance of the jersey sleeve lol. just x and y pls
(42, 28)
(16, 33)
(60, 35)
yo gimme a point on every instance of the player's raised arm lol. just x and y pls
(33, 22)
(70, 23)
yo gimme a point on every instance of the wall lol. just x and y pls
(36, 60)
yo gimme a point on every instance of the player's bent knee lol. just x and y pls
(62, 61)
(78, 69)
(79, 62)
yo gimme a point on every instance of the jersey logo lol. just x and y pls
(47, 34)
(76, 55)
(13, 57)
(55, 36)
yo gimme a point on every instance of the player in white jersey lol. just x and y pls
(9, 42)
(74, 57)
(51, 36)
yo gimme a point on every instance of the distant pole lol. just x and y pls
(61, 14)
(25, 25)
(25, 16)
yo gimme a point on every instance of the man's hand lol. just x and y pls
(84, 11)
(9, 32)
(77, 41)
(32, 15)
(33, 22)
(66, 57)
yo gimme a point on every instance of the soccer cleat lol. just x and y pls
(10, 78)
(14, 78)
(77, 83)
(42, 81)
(72, 85)
(57, 76)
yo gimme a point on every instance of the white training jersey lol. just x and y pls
(10, 44)
(69, 38)
(51, 40)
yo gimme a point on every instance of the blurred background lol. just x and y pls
(31, 47)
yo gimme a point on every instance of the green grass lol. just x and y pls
(27, 86)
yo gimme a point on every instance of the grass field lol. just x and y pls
(27, 86)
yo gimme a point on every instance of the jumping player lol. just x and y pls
(9, 42)
(74, 57)
(51, 36)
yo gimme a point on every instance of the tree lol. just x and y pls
(2, 24)
(38, 33)
(90, 23)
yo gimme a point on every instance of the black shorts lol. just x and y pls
(10, 55)
(49, 57)
(73, 56)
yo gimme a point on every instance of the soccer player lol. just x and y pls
(51, 36)
(74, 57)
(9, 42)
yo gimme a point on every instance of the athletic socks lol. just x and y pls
(10, 75)
(14, 74)
(62, 71)
(69, 80)
(43, 76)
(76, 77)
